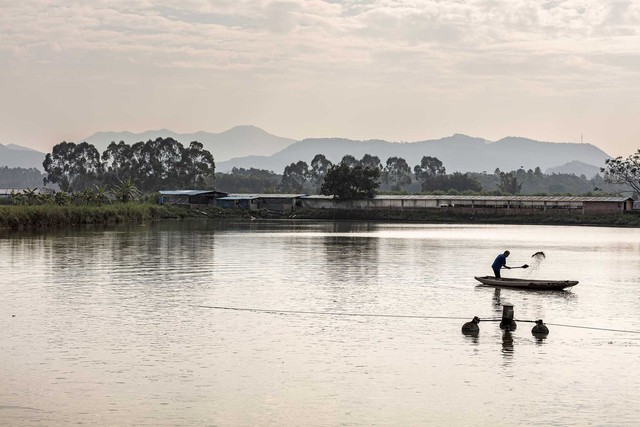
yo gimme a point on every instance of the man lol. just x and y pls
(501, 261)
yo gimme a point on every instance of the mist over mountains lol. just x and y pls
(252, 147)
(238, 141)
(459, 153)
(15, 156)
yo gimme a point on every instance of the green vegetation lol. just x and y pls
(152, 165)
(252, 180)
(52, 216)
(346, 182)
(47, 216)
(19, 177)
(625, 171)
(430, 176)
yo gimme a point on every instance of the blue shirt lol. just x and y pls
(501, 261)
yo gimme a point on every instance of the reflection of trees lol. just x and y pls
(132, 261)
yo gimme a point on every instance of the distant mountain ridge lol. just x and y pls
(576, 168)
(15, 156)
(236, 142)
(252, 147)
(458, 152)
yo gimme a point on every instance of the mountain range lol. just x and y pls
(238, 141)
(16, 156)
(252, 147)
(458, 153)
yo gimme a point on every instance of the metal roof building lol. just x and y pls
(278, 202)
(503, 204)
(190, 197)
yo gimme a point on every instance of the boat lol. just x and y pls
(547, 285)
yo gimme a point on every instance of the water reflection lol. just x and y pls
(497, 302)
(507, 343)
(105, 325)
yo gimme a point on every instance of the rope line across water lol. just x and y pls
(329, 313)
(402, 316)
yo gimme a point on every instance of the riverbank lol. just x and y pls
(53, 216)
(432, 216)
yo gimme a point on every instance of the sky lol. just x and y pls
(399, 70)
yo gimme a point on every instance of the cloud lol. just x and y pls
(313, 48)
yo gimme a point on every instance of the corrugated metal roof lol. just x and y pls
(265, 196)
(505, 198)
(239, 197)
(187, 192)
(8, 191)
(489, 198)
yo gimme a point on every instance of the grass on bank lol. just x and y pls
(53, 216)
(49, 216)
(22, 217)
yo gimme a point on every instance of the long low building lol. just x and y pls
(489, 204)
(190, 197)
(502, 204)
(276, 202)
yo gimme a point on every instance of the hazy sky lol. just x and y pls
(401, 70)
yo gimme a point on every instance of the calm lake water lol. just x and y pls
(115, 327)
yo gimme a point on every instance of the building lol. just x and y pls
(502, 205)
(7, 193)
(276, 202)
(190, 197)
(482, 204)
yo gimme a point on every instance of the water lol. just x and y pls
(109, 327)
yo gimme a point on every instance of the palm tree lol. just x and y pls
(31, 196)
(100, 195)
(17, 198)
(61, 198)
(126, 191)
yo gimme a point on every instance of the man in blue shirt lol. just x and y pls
(501, 261)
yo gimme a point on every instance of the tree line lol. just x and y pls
(165, 163)
(394, 176)
(20, 177)
(430, 176)
(152, 165)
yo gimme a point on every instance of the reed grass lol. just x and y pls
(53, 216)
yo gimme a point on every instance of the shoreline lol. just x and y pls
(44, 217)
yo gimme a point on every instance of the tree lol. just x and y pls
(624, 171)
(196, 168)
(319, 167)
(537, 172)
(157, 163)
(509, 183)
(252, 180)
(398, 173)
(73, 166)
(294, 177)
(118, 163)
(20, 177)
(349, 160)
(370, 161)
(431, 173)
(125, 191)
(462, 182)
(345, 182)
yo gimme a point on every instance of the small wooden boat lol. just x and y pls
(549, 285)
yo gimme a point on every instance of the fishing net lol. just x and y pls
(538, 258)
